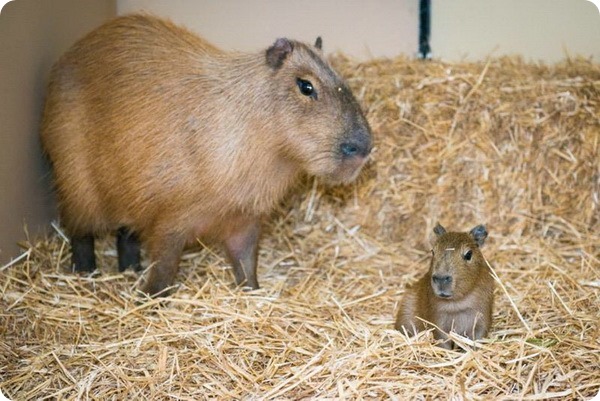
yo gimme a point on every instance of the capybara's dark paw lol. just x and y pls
(128, 250)
(83, 259)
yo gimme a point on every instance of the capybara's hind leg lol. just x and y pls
(128, 249)
(83, 258)
(242, 248)
(165, 252)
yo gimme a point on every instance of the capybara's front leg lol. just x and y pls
(83, 258)
(482, 324)
(128, 249)
(447, 343)
(241, 244)
(165, 251)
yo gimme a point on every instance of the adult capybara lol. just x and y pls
(456, 294)
(156, 134)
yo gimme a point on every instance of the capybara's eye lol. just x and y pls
(306, 87)
(468, 255)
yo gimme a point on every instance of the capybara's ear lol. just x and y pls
(439, 230)
(319, 43)
(277, 53)
(479, 234)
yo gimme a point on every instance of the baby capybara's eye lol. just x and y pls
(468, 255)
(306, 87)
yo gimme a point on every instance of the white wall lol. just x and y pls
(360, 28)
(536, 29)
(461, 29)
(33, 33)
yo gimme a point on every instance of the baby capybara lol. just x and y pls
(456, 294)
(157, 135)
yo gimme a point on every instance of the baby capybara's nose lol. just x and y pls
(442, 281)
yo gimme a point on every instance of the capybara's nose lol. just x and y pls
(360, 145)
(442, 281)
(349, 149)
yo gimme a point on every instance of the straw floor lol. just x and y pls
(512, 145)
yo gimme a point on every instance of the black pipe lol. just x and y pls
(424, 29)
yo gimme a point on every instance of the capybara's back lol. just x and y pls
(156, 133)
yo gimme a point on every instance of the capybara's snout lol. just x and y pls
(354, 149)
(442, 285)
(357, 144)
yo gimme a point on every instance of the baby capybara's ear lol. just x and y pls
(439, 230)
(277, 53)
(479, 234)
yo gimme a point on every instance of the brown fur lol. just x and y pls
(467, 310)
(150, 127)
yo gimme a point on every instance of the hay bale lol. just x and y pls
(513, 145)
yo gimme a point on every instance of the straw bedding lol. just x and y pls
(513, 145)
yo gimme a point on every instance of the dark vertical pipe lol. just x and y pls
(424, 29)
